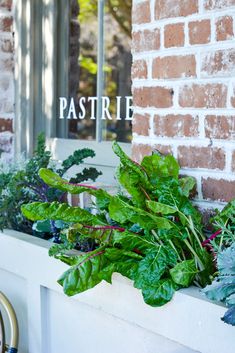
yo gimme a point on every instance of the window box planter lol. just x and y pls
(106, 318)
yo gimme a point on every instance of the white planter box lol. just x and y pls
(106, 319)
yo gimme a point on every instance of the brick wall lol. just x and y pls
(6, 78)
(184, 88)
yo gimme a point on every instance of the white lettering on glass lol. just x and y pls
(129, 108)
(63, 106)
(119, 107)
(105, 108)
(91, 103)
(72, 111)
(82, 115)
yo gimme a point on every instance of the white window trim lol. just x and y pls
(37, 84)
(35, 112)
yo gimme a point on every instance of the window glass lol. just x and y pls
(100, 37)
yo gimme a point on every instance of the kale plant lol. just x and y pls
(23, 184)
(223, 287)
(151, 233)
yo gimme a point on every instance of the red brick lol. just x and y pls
(218, 4)
(220, 190)
(141, 13)
(174, 35)
(141, 124)
(176, 125)
(6, 125)
(6, 3)
(199, 32)
(219, 63)
(220, 127)
(6, 24)
(232, 98)
(175, 8)
(174, 67)
(158, 97)
(201, 157)
(6, 45)
(5, 143)
(146, 40)
(139, 69)
(233, 161)
(163, 149)
(140, 150)
(203, 96)
(6, 64)
(7, 105)
(224, 28)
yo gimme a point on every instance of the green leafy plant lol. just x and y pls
(22, 184)
(224, 225)
(223, 287)
(150, 232)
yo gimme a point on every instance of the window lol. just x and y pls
(100, 69)
(76, 48)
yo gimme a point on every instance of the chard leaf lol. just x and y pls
(121, 261)
(131, 165)
(159, 293)
(127, 269)
(158, 207)
(151, 268)
(209, 267)
(102, 234)
(184, 272)
(85, 274)
(158, 166)
(229, 316)
(54, 180)
(122, 212)
(37, 211)
(131, 181)
(114, 254)
(131, 241)
(187, 184)
(187, 208)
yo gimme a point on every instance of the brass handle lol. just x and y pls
(13, 322)
(2, 335)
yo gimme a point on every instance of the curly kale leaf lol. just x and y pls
(223, 287)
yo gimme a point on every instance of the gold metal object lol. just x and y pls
(13, 324)
(2, 335)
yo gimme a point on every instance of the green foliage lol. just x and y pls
(223, 287)
(224, 224)
(184, 272)
(150, 232)
(87, 9)
(23, 184)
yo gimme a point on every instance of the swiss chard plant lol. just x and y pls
(149, 232)
(20, 185)
(223, 287)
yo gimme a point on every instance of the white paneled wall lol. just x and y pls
(106, 319)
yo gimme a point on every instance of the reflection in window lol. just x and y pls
(84, 49)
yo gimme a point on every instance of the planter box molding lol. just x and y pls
(107, 318)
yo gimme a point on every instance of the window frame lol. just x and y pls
(45, 70)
